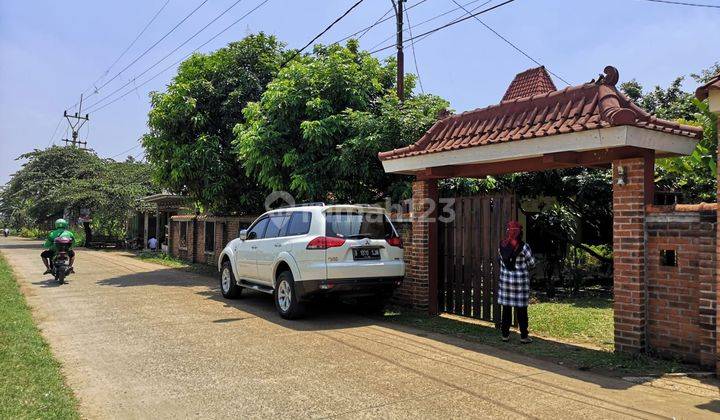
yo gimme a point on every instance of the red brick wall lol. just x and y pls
(629, 200)
(681, 299)
(226, 229)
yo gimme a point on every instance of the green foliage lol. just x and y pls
(189, 142)
(694, 175)
(671, 103)
(317, 129)
(31, 232)
(63, 180)
(706, 74)
(31, 196)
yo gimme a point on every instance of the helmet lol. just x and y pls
(61, 223)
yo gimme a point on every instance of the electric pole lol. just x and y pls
(398, 6)
(76, 121)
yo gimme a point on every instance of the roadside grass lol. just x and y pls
(31, 384)
(576, 333)
(162, 259)
(168, 260)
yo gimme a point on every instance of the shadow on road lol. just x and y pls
(343, 318)
(50, 283)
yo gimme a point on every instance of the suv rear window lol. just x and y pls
(358, 225)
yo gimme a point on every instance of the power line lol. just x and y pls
(430, 20)
(682, 3)
(382, 19)
(149, 48)
(168, 54)
(298, 52)
(262, 3)
(126, 151)
(52, 138)
(447, 24)
(511, 44)
(122, 54)
(412, 44)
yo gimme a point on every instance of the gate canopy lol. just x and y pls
(536, 127)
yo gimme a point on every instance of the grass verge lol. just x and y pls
(31, 384)
(575, 355)
(167, 260)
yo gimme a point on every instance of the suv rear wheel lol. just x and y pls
(228, 285)
(286, 300)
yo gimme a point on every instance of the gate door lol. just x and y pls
(468, 245)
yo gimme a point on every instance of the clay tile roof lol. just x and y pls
(702, 92)
(596, 104)
(530, 83)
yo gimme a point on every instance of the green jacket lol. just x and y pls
(50, 241)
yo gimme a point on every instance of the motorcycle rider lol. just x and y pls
(61, 229)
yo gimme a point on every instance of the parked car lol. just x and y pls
(305, 252)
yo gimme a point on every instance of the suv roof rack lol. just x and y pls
(307, 204)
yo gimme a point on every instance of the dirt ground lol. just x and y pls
(138, 340)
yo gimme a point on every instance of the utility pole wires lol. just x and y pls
(76, 121)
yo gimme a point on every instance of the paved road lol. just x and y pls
(142, 341)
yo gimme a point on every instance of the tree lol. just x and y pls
(189, 142)
(671, 103)
(110, 195)
(60, 181)
(694, 175)
(30, 197)
(317, 129)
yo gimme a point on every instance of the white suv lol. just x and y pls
(307, 251)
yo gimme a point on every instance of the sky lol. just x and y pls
(51, 51)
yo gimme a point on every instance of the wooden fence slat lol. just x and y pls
(457, 255)
(468, 269)
(476, 261)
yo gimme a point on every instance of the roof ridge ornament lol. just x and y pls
(610, 78)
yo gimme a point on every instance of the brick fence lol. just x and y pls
(200, 238)
(681, 296)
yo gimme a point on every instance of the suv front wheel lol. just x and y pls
(286, 300)
(228, 285)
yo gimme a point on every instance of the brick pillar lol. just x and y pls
(145, 230)
(716, 110)
(632, 190)
(421, 254)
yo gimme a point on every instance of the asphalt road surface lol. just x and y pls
(138, 340)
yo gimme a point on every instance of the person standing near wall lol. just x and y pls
(516, 260)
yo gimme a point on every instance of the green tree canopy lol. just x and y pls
(317, 129)
(694, 175)
(189, 142)
(61, 180)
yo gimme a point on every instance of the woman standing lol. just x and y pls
(516, 259)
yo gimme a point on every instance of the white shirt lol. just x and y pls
(153, 243)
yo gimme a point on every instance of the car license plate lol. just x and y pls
(366, 253)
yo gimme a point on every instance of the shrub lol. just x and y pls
(33, 233)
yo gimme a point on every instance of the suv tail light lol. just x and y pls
(395, 241)
(325, 242)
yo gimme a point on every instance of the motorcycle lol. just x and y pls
(61, 261)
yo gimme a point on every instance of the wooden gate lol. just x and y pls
(468, 269)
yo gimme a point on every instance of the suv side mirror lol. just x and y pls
(243, 234)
